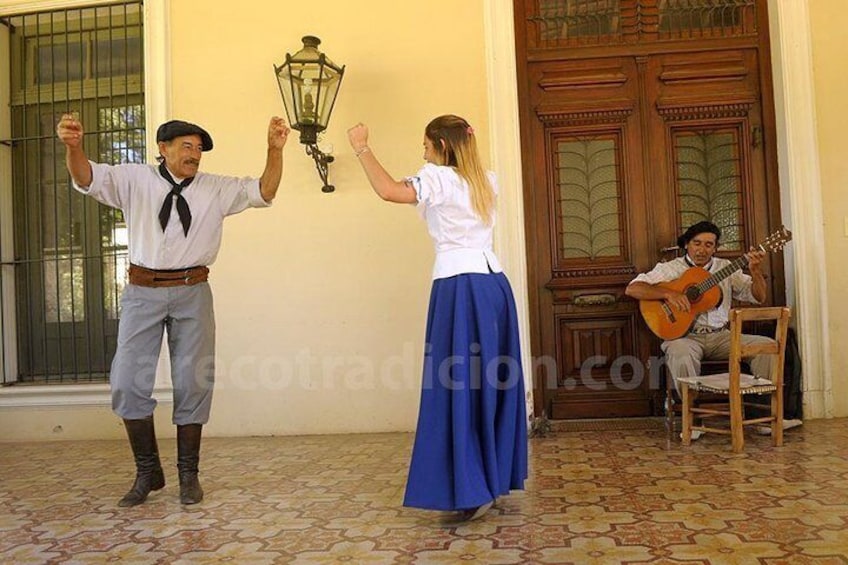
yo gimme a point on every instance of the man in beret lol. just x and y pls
(709, 336)
(174, 215)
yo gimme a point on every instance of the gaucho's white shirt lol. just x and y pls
(462, 241)
(737, 286)
(139, 191)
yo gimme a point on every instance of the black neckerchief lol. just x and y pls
(182, 205)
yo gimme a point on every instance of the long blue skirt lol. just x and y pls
(471, 441)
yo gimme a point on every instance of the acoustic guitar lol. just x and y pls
(702, 290)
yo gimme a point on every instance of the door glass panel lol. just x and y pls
(71, 252)
(709, 183)
(118, 55)
(560, 19)
(585, 23)
(60, 62)
(121, 140)
(588, 198)
(64, 300)
(61, 221)
(698, 18)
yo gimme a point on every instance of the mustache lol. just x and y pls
(191, 162)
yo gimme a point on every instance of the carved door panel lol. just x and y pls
(708, 158)
(624, 146)
(589, 221)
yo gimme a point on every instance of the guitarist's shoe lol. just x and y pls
(787, 425)
(696, 434)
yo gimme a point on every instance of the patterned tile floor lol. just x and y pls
(594, 497)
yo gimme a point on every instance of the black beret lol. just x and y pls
(177, 128)
(696, 229)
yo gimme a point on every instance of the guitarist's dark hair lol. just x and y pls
(695, 229)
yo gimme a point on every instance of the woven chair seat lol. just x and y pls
(720, 383)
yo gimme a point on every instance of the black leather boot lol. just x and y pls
(188, 457)
(148, 474)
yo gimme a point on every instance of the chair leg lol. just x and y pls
(669, 400)
(669, 411)
(686, 415)
(777, 419)
(736, 427)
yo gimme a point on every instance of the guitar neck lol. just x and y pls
(723, 273)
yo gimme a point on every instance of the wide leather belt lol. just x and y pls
(155, 278)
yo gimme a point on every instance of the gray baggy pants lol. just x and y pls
(187, 314)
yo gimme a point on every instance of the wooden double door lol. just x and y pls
(624, 145)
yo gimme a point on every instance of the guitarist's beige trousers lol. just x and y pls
(684, 355)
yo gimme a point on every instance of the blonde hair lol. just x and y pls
(454, 141)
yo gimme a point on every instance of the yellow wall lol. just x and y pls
(828, 21)
(71, 423)
(321, 300)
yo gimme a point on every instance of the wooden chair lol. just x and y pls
(736, 385)
(672, 404)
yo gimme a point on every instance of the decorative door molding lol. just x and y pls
(799, 172)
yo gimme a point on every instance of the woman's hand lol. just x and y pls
(358, 137)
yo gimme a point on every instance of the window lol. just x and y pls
(709, 183)
(589, 199)
(64, 256)
(581, 23)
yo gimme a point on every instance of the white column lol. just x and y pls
(801, 201)
(157, 71)
(505, 150)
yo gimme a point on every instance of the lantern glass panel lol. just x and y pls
(307, 87)
(330, 83)
(289, 97)
(309, 83)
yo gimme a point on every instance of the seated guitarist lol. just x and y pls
(709, 336)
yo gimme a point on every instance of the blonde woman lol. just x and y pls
(471, 442)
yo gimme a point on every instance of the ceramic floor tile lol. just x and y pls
(597, 494)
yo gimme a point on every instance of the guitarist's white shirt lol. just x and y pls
(735, 287)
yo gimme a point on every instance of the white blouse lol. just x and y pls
(462, 241)
(139, 191)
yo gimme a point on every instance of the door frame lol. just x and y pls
(158, 104)
(801, 191)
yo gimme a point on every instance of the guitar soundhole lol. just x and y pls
(693, 294)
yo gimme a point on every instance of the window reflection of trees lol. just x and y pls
(709, 184)
(121, 141)
(589, 199)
